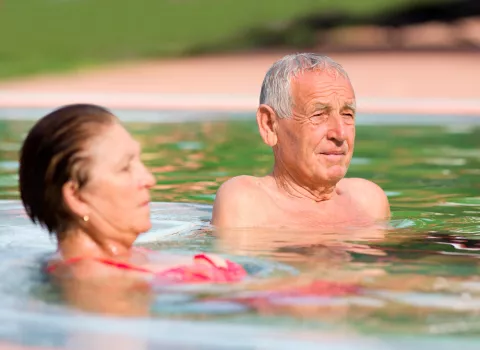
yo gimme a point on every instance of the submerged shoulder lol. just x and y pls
(369, 195)
(235, 201)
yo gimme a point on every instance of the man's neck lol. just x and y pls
(313, 192)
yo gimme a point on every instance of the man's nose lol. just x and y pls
(336, 128)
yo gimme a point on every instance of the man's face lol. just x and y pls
(316, 143)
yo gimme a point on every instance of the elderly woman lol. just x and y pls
(82, 178)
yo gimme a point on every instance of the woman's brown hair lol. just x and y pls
(52, 154)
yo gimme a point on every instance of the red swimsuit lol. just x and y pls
(205, 269)
(213, 269)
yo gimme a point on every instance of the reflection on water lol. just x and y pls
(417, 276)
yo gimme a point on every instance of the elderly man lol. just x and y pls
(307, 116)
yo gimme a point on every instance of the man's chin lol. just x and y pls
(336, 173)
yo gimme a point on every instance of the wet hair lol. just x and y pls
(52, 154)
(276, 87)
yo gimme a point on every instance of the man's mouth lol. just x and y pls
(333, 153)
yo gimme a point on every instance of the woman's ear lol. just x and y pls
(73, 200)
(267, 124)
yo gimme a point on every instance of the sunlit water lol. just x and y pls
(419, 283)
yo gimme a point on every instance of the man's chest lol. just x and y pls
(316, 214)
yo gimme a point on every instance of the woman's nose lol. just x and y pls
(148, 179)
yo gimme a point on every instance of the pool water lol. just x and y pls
(420, 278)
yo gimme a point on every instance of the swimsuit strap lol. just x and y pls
(117, 264)
(120, 265)
(213, 261)
(123, 266)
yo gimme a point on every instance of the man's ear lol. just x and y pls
(73, 200)
(267, 124)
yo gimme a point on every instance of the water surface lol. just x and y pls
(419, 279)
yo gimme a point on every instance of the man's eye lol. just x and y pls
(349, 117)
(318, 118)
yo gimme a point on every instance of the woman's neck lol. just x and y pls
(78, 243)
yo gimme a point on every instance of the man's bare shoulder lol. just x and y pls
(359, 183)
(241, 182)
(369, 195)
(236, 200)
(239, 187)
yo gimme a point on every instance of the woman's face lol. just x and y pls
(117, 193)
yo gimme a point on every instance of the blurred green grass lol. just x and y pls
(53, 35)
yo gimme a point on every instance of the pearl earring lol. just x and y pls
(86, 218)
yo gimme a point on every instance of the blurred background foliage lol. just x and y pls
(52, 35)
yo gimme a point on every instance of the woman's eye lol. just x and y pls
(126, 168)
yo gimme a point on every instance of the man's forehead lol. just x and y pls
(318, 81)
(346, 103)
(328, 96)
(324, 73)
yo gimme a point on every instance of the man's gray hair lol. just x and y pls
(276, 87)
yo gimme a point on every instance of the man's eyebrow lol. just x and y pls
(320, 106)
(351, 106)
(325, 106)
